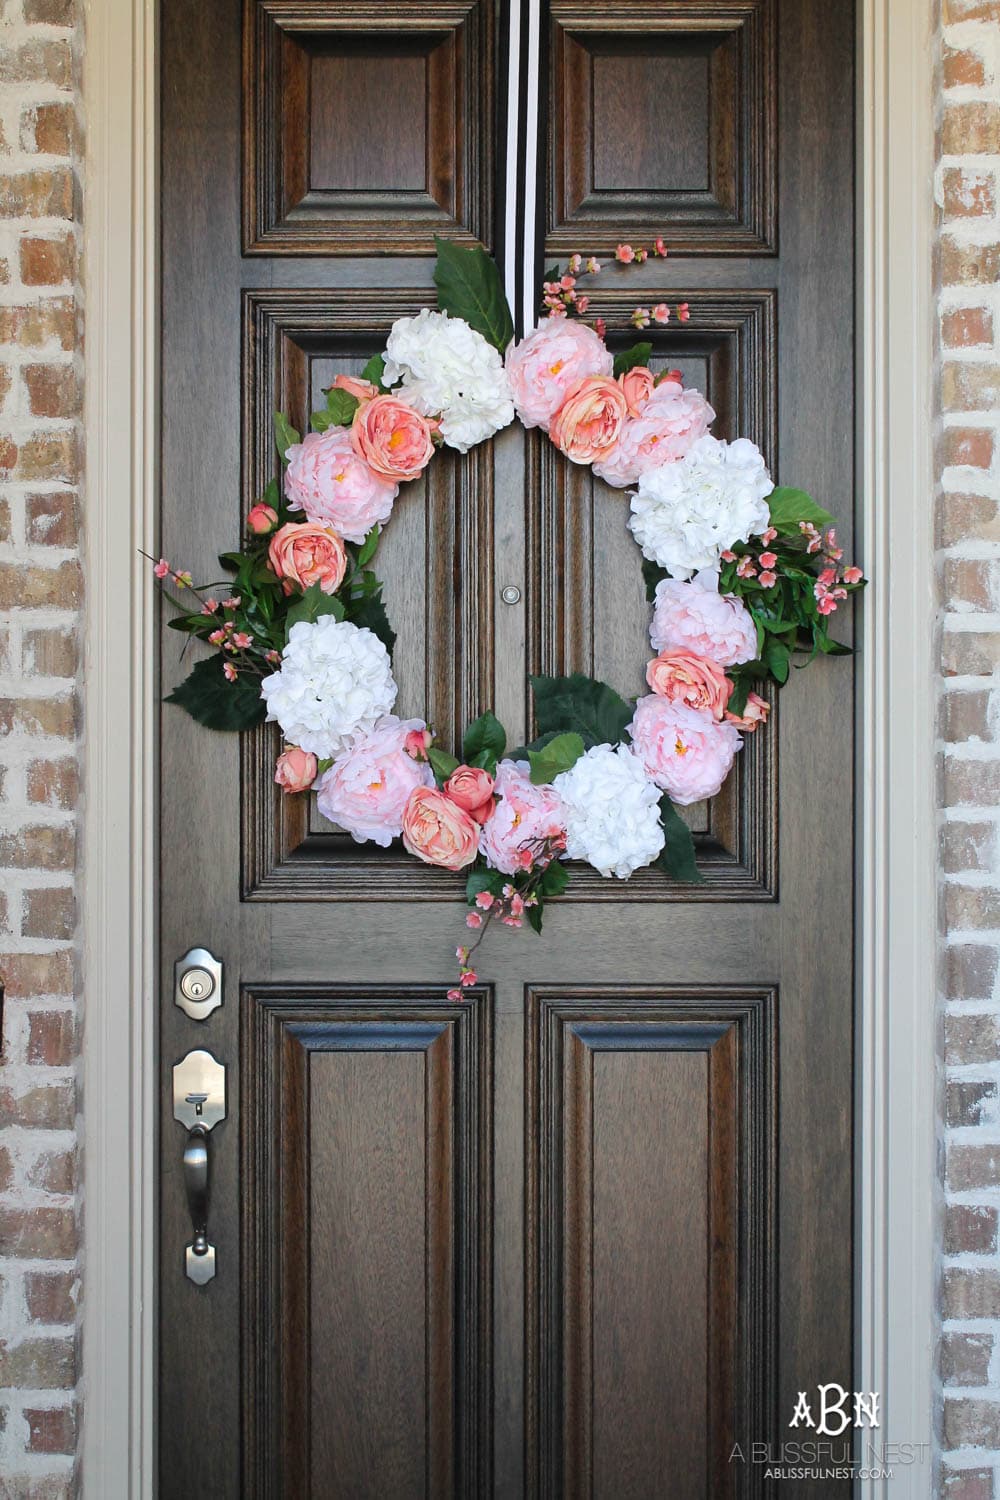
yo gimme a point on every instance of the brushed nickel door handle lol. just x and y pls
(199, 1104)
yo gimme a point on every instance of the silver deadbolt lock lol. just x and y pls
(198, 983)
(199, 1105)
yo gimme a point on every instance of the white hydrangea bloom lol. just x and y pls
(448, 370)
(686, 514)
(612, 811)
(335, 682)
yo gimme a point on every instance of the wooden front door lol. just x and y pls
(585, 1231)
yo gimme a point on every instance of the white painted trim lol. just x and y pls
(119, 850)
(896, 1104)
(896, 1162)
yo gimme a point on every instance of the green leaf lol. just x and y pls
(485, 737)
(368, 547)
(629, 358)
(677, 857)
(284, 435)
(523, 751)
(826, 644)
(374, 371)
(442, 764)
(469, 287)
(562, 752)
(212, 700)
(341, 406)
(578, 703)
(788, 507)
(313, 604)
(484, 880)
(272, 495)
(653, 576)
(741, 692)
(534, 915)
(555, 880)
(369, 613)
(776, 655)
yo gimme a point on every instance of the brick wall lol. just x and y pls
(40, 595)
(968, 509)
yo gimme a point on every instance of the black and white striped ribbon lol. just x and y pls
(521, 154)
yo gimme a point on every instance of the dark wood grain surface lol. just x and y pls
(407, 1301)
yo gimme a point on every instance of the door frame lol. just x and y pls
(896, 1208)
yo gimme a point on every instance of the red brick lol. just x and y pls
(47, 262)
(37, 716)
(54, 1172)
(966, 447)
(23, 587)
(38, 847)
(971, 907)
(54, 783)
(51, 1296)
(52, 520)
(967, 846)
(971, 1167)
(971, 10)
(967, 327)
(965, 716)
(967, 1484)
(968, 194)
(51, 456)
(6, 1169)
(44, 193)
(49, 128)
(964, 1358)
(48, 61)
(52, 321)
(39, 1233)
(970, 1101)
(970, 1229)
(967, 265)
(971, 129)
(963, 68)
(973, 783)
(970, 387)
(52, 1038)
(53, 390)
(971, 581)
(971, 1039)
(49, 912)
(50, 1106)
(51, 1429)
(39, 1364)
(50, 653)
(38, 973)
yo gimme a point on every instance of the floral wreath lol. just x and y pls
(742, 576)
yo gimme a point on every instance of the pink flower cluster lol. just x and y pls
(683, 731)
(560, 297)
(561, 378)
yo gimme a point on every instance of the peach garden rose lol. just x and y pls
(302, 554)
(590, 420)
(684, 677)
(438, 831)
(472, 789)
(295, 769)
(393, 439)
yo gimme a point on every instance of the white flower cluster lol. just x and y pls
(612, 811)
(335, 681)
(448, 370)
(686, 514)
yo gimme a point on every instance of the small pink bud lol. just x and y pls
(661, 313)
(417, 743)
(474, 919)
(684, 312)
(454, 994)
(262, 519)
(162, 568)
(768, 579)
(469, 976)
(295, 769)
(768, 559)
(853, 574)
(484, 900)
(230, 671)
(624, 254)
(660, 247)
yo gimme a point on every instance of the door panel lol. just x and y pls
(367, 1122)
(588, 1227)
(651, 1306)
(321, 172)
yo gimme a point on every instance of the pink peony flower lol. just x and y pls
(669, 423)
(589, 422)
(638, 385)
(683, 677)
(303, 554)
(326, 478)
(472, 789)
(393, 439)
(354, 386)
(524, 814)
(754, 713)
(262, 519)
(295, 770)
(438, 831)
(368, 785)
(543, 366)
(694, 616)
(685, 752)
